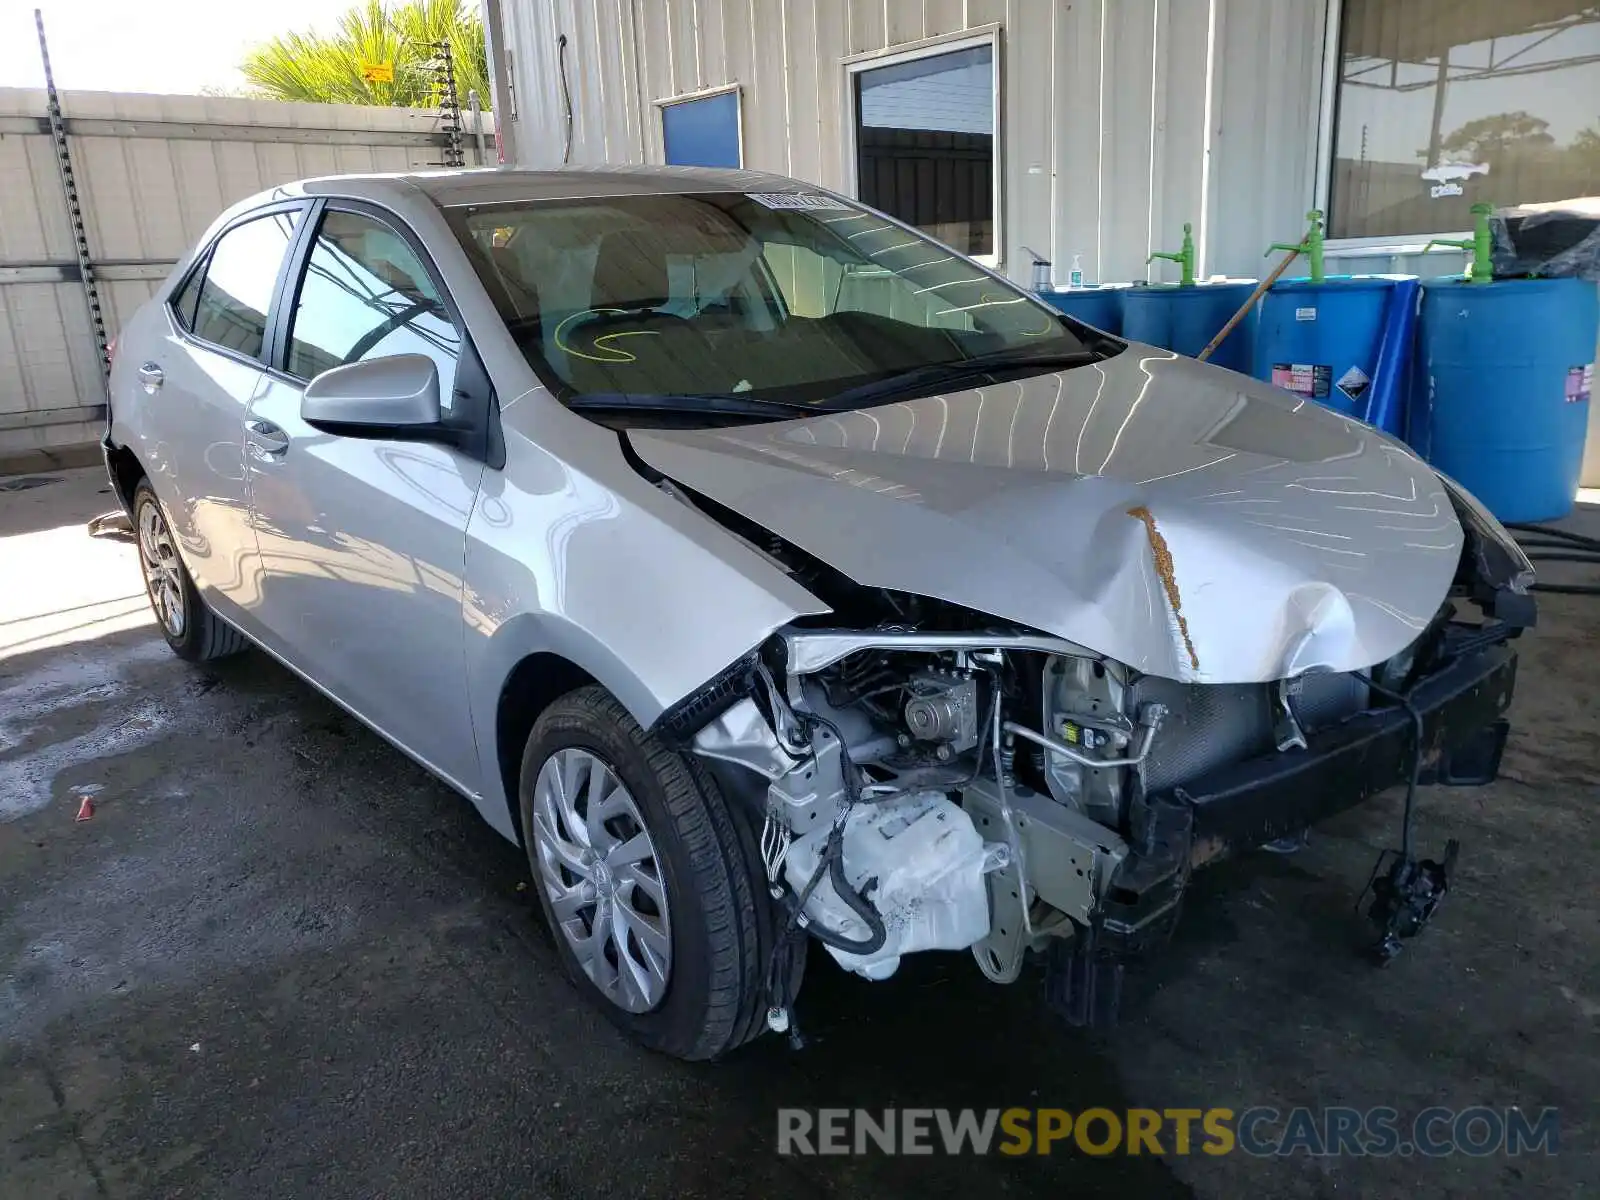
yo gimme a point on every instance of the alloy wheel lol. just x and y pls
(602, 878)
(163, 573)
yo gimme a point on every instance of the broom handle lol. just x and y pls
(1247, 305)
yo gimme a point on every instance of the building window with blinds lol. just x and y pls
(925, 143)
(1444, 103)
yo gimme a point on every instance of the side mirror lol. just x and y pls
(393, 396)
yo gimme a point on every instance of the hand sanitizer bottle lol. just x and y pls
(1075, 276)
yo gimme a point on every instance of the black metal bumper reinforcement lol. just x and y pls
(1463, 707)
(1242, 805)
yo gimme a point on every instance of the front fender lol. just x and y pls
(571, 552)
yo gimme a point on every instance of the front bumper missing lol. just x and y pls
(1243, 805)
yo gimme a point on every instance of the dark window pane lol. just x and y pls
(925, 144)
(702, 133)
(367, 295)
(1443, 103)
(183, 302)
(237, 292)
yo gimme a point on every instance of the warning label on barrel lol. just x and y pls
(1580, 383)
(1354, 383)
(1311, 380)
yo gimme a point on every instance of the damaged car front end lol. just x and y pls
(932, 776)
(1069, 617)
(1005, 792)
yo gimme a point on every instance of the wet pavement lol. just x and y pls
(281, 961)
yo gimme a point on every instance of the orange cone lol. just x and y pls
(85, 808)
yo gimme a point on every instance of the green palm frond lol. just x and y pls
(326, 68)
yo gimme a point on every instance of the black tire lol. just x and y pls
(203, 635)
(723, 922)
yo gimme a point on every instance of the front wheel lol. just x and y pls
(192, 630)
(649, 878)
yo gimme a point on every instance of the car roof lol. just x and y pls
(502, 185)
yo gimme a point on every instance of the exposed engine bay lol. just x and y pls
(962, 791)
(928, 778)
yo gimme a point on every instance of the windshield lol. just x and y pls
(793, 301)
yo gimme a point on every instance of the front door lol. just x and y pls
(199, 382)
(362, 540)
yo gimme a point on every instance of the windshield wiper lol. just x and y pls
(961, 370)
(731, 403)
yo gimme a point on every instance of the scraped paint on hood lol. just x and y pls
(1188, 521)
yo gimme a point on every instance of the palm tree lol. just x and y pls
(326, 68)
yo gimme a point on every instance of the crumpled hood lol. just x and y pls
(1185, 520)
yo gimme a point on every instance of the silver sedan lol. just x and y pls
(774, 574)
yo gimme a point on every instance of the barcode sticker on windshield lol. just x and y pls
(802, 200)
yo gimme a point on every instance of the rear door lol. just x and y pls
(195, 387)
(363, 540)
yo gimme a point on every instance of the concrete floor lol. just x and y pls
(281, 960)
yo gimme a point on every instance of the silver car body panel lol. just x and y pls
(417, 579)
(1173, 516)
(407, 581)
(572, 553)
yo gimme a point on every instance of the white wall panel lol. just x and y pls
(766, 100)
(808, 156)
(622, 139)
(1078, 45)
(831, 101)
(711, 63)
(943, 16)
(1129, 52)
(866, 26)
(1105, 114)
(1027, 118)
(1179, 145)
(1265, 101)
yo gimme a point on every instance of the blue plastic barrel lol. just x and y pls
(1097, 306)
(1185, 319)
(1506, 369)
(1323, 340)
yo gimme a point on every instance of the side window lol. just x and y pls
(183, 300)
(367, 295)
(231, 309)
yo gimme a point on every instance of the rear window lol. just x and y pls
(231, 308)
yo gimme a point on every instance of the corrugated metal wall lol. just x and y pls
(1120, 119)
(152, 172)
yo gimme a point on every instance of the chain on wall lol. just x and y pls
(69, 186)
(441, 68)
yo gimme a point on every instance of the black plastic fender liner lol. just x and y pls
(678, 724)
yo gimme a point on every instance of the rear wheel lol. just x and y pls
(192, 630)
(649, 878)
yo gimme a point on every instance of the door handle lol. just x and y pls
(267, 441)
(151, 377)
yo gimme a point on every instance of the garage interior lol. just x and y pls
(275, 957)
